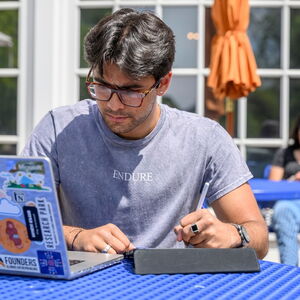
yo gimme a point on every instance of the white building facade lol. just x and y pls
(43, 67)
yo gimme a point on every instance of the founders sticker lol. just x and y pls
(19, 263)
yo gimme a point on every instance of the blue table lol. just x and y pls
(268, 190)
(275, 281)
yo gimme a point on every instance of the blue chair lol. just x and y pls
(267, 170)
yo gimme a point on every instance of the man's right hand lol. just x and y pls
(98, 239)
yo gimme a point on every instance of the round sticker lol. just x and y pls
(13, 236)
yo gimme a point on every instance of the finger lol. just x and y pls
(108, 249)
(191, 230)
(104, 247)
(198, 240)
(178, 232)
(111, 251)
(101, 243)
(113, 236)
(117, 245)
(202, 244)
(99, 246)
(192, 218)
(122, 241)
(131, 247)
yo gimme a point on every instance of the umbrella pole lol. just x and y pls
(229, 109)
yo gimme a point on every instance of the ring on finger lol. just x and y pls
(195, 228)
(106, 249)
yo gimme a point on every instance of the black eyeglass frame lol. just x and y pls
(88, 83)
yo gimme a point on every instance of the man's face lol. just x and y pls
(125, 121)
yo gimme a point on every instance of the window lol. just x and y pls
(9, 18)
(14, 81)
(262, 121)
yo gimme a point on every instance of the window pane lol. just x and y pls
(264, 32)
(294, 101)
(8, 38)
(183, 21)
(295, 38)
(263, 110)
(258, 158)
(8, 149)
(8, 107)
(140, 8)
(89, 18)
(182, 93)
(83, 93)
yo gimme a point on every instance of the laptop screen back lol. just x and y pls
(31, 235)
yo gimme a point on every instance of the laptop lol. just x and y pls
(31, 232)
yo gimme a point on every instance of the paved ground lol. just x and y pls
(273, 254)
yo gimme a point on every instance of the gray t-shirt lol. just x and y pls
(143, 186)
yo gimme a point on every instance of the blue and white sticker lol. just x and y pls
(7, 207)
(47, 223)
(50, 262)
(25, 175)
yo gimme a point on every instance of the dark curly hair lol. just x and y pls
(139, 43)
(294, 133)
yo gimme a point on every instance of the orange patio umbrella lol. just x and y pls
(232, 62)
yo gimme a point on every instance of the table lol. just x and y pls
(275, 281)
(269, 190)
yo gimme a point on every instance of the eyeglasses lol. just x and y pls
(131, 98)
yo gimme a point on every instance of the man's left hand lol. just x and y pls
(212, 232)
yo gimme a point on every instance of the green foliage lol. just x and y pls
(294, 101)
(83, 94)
(9, 26)
(8, 106)
(8, 86)
(89, 18)
(295, 39)
(264, 32)
(263, 104)
(169, 101)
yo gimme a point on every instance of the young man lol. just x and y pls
(130, 171)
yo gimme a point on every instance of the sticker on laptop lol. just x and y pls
(18, 197)
(47, 223)
(14, 236)
(26, 175)
(32, 222)
(50, 262)
(19, 263)
(8, 207)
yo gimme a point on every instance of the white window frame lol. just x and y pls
(57, 71)
(18, 73)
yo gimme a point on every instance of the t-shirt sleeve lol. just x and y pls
(278, 159)
(225, 169)
(42, 142)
